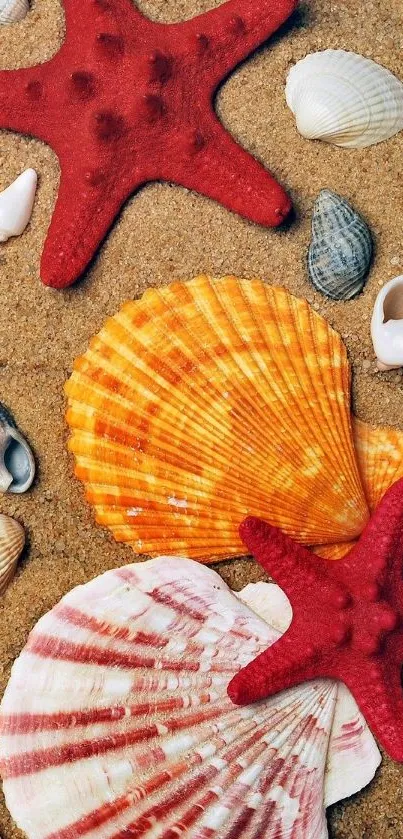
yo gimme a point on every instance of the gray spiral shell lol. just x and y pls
(340, 253)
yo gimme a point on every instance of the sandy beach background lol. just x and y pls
(166, 233)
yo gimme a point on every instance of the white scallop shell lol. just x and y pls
(16, 204)
(12, 540)
(387, 325)
(13, 10)
(343, 98)
(116, 719)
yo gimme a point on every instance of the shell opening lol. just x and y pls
(393, 304)
(19, 465)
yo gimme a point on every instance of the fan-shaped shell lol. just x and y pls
(13, 10)
(341, 249)
(207, 401)
(12, 540)
(117, 716)
(380, 460)
(343, 98)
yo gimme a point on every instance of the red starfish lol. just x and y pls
(347, 619)
(127, 100)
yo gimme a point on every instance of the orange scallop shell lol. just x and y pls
(207, 401)
(380, 461)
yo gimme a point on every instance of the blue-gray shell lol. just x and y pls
(17, 465)
(5, 417)
(341, 250)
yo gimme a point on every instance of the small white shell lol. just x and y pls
(345, 99)
(387, 325)
(13, 10)
(16, 203)
(12, 540)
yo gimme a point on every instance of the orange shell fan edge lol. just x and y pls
(210, 400)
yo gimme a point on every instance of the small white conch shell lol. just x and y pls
(345, 99)
(387, 325)
(12, 540)
(16, 203)
(13, 10)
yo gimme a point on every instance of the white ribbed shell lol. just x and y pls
(343, 98)
(13, 10)
(116, 720)
(12, 540)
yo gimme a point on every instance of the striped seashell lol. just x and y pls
(345, 99)
(340, 253)
(12, 540)
(379, 454)
(117, 716)
(17, 465)
(380, 459)
(207, 401)
(13, 10)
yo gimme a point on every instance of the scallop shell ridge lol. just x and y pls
(380, 461)
(207, 401)
(340, 253)
(13, 10)
(343, 98)
(117, 711)
(12, 540)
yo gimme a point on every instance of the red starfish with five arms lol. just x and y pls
(347, 619)
(127, 100)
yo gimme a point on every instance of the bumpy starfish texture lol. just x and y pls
(127, 100)
(347, 619)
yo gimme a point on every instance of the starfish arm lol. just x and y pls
(229, 33)
(20, 108)
(381, 539)
(109, 13)
(299, 572)
(224, 171)
(86, 206)
(283, 665)
(377, 689)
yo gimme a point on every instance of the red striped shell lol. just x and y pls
(116, 722)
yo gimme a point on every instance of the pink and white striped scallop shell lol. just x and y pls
(116, 722)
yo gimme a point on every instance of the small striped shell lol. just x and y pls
(117, 718)
(345, 99)
(207, 401)
(340, 253)
(13, 10)
(12, 540)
